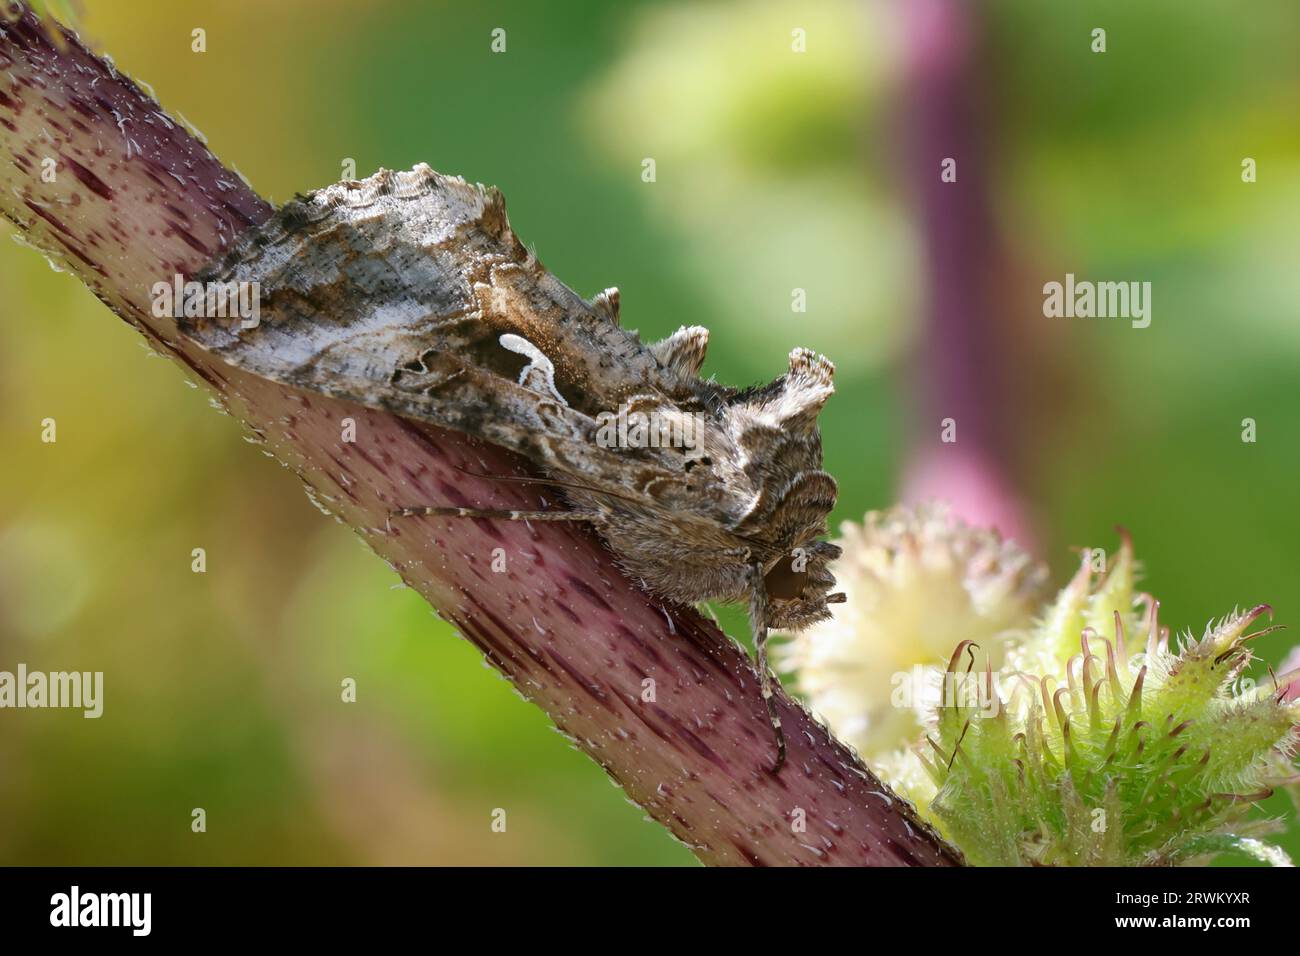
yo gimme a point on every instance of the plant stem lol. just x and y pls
(137, 199)
(961, 365)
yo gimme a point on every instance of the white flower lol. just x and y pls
(918, 582)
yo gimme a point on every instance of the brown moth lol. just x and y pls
(409, 292)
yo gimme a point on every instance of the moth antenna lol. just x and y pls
(453, 511)
(522, 479)
(758, 627)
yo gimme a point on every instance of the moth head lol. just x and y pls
(799, 586)
(777, 429)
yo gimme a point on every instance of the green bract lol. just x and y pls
(1089, 737)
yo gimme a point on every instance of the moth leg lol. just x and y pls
(503, 514)
(758, 627)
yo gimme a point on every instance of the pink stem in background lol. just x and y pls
(961, 365)
(1288, 673)
(137, 200)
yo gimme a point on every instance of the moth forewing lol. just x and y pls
(409, 292)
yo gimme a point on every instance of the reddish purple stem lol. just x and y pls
(663, 701)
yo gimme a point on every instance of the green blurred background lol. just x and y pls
(774, 171)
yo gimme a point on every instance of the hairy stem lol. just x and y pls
(136, 199)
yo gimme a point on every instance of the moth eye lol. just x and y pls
(784, 582)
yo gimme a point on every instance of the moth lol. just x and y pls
(409, 292)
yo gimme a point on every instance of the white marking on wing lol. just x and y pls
(538, 363)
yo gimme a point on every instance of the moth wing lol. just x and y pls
(410, 292)
(358, 280)
(532, 422)
(373, 274)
